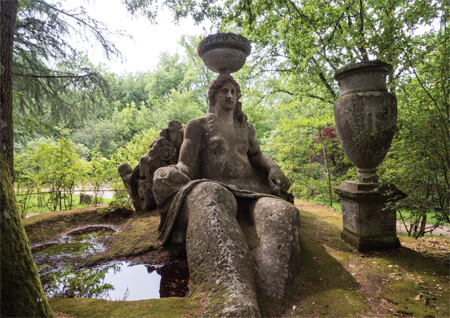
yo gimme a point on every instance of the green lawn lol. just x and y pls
(38, 203)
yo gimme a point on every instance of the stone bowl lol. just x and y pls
(224, 53)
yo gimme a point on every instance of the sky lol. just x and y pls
(149, 40)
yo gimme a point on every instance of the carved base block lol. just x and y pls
(367, 223)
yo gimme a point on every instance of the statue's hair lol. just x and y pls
(214, 88)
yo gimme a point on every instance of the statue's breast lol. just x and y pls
(217, 145)
(242, 147)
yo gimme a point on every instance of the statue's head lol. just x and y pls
(215, 87)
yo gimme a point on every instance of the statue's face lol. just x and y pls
(226, 97)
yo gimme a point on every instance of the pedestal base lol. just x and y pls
(367, 223)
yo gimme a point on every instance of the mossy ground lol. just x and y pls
(337, 281)
(334, 280)
(82, 307)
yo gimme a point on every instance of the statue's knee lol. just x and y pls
(208, 195)
(292, 214)
(271, 211)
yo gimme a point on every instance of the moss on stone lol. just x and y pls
(21, 290)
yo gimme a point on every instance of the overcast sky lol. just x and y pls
(150, 40)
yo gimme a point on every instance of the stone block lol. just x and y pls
(368, 224)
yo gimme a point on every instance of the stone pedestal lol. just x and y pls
(368, 223)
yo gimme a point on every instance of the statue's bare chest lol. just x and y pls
(224, 142)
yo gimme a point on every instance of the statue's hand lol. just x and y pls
(278, 182)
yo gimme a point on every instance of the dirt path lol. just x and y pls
(443, 230)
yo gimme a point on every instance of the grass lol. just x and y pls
(337, 281)
(334, 279)
(431, 217)
(167, 307)
(40, 203)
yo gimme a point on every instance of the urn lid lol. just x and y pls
(364, 66)
(363, 77)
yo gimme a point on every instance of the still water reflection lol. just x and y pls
(120, 281)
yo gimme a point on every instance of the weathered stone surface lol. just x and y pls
(278, 253)
(224, 52)
(368, 224)
(218, 256)
(365, 115)
(366, 124)
(230, 173)
(163, 151)
(205, 181)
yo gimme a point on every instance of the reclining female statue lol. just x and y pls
(222, 176)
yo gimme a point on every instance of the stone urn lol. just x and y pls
(365, 115)
(224, 53)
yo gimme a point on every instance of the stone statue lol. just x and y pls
(163, 151)
(218, 194)
(226, 201)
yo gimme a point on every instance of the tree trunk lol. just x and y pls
(327, 170)
(21, 290)
(8, 13)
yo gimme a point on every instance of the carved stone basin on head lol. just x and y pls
(224, 52)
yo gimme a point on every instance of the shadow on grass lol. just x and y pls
(412, 261)
(324, 286)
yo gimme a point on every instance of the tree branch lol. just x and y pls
(280, 90)
(105, 43)
(362, 49)
(55, 76)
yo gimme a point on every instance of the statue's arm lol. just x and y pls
(189, 159)
(277, 180)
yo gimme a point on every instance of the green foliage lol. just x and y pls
(306, 146)
(52, 79)
(419, 160)
(175, 90)
(87, 283)
(131, 152)
(130, 88)
(30, 202)
(98, 178)
(181, 106)
(54, 165)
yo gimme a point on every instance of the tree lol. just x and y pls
(419, 161)
(311, 39)
(21, 291)
(22, 294)
(17, 265)
(52, 79)
(7, 22)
